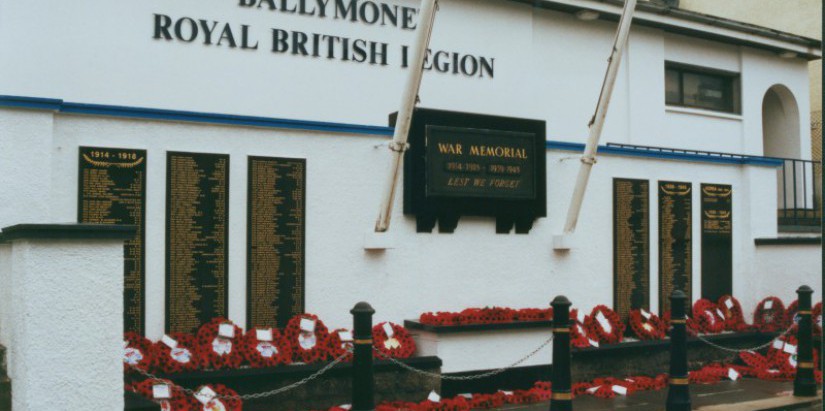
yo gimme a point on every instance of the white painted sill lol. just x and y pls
(704, 113)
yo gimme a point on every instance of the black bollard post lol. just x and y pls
(804, 384)
(562, 398)
(678, 393)
(363, 385)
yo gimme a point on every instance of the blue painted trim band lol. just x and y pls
(188, 116)
(267, 122)
(703, 158)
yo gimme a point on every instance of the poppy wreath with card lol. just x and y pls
(220, 350)
(178, 401)
(605, 325)
(578, 333)
(306, 344)
(393, 341)
(708, 317)
(816, 318)
(782, 355)
(645, 325)
(769, 315)
(732, 311)
(336, 347)
(226, 399)
(136, 352)
(269, 351)
(183, 357)
(754, 360)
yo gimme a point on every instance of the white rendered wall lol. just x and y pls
(548, 65)
(66, 302)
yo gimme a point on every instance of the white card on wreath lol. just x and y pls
(718, 311)
(790, 349)
(308, 325)
(729, 303)
(388, 330)
(603, 322)
(618, 389)
(264, 335)
(345, 336)
(226, 330)
(591, 390)
(346, 407)
(434, 397)
(732, 374)
(205, 394)
(645, 314)
(467, 396)
(768, 305)
(169, 341)
(161, 392)
(506, 392)
(778, 344)
(594, 343)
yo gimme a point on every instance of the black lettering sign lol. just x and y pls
(197, 212)
(112, 190)
(275, 240)
(675, 241)
(717, 241)
(631, 246)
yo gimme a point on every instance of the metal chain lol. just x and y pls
(463, 378)
(264, 394)
(738, 350)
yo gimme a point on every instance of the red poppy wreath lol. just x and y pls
(605, 325)
(165, 394)
(392, 340)
(264, 348)
(338, 343)
(306, 334)
(708, 317)
(176, 352)
(816, 318)
(646, 325)
(732, 311)
(136, 352)
(579, 336)
(219, 344)
(217, 397)
(769, 315)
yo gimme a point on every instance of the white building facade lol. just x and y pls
(316, 80)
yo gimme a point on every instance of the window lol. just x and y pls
(696, 87)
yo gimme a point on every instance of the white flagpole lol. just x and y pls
(597, 123)
(408, 101)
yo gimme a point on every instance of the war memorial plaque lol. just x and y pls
(631, 246)
(675, 241)
(717, 241)
(197, 212)
(462, 164)
(112, 190)
(276, 211)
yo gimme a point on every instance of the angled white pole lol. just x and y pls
(597, 123)
(405, 112)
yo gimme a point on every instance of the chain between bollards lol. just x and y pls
(678, 393)
(562, 397)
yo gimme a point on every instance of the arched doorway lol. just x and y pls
(796, 188)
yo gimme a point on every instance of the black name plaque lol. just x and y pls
(675, 241)
(275, 240)
(717, 241)
(197, 213)
(112, 190)
(631, 246)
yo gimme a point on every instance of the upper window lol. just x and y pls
(696, 87)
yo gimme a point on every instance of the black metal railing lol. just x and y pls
(799, 185)
(799, 194)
